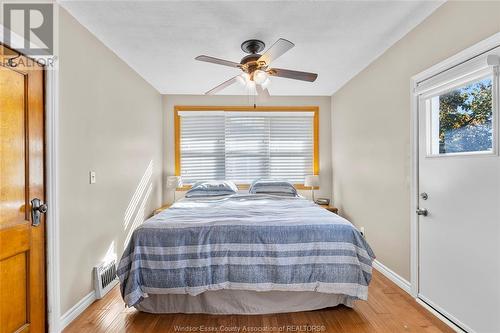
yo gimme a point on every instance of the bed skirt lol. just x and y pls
(241, 302)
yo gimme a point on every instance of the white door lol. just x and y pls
(459, 185)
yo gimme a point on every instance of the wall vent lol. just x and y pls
(104, 278)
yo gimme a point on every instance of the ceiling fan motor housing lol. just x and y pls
(252, 46)
(250, 62)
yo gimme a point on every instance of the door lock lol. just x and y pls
(422, 212)
(37, 208)
(424, 196)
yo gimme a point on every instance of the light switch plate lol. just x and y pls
(92, 177)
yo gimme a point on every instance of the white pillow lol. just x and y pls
(212, 188)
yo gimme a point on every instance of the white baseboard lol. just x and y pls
(76, 310)
(391, 275)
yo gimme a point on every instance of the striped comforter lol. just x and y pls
(245, 242)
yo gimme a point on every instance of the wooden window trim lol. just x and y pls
(177, 131)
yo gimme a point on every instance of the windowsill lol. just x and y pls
(465, 154)
(247, 186)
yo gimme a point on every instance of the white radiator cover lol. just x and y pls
(105, 278)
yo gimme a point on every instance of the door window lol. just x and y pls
(461, 119)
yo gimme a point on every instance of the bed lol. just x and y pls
(244, 254)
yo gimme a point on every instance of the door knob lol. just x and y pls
(37, 208)
(423, 212)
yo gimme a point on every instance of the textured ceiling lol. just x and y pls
(160, 39)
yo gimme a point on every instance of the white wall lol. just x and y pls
(110, 122)
(325, 151)
(371, 126)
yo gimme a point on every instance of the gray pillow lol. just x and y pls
(273, 186)
(212, 188)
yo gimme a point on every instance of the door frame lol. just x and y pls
(51, 87)
(459, 58)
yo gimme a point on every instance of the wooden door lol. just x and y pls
(22, 245)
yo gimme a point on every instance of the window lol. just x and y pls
(462, 119)
(244, 144)
(459, 109)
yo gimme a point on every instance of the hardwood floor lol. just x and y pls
(388, 309)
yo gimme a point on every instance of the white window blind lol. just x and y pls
(291, 148)
(457, 75)
(202, 148)
(244, 146)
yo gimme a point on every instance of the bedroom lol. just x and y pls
(113, 125)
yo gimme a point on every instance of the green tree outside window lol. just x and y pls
(465, 118)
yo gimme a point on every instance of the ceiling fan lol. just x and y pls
(255, 67)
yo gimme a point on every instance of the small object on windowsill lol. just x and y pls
(161, 209)
(322, 201)
(329, 208)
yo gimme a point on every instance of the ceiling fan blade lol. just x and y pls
(296, 75)
(218, 61)
(262, 92)
(276, 50)
(221, 86)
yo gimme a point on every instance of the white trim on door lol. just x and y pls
(461, 57)
(414, 190)
(440, 316)
(444, 316)
(51, 190)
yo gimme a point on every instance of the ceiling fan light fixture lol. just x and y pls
(266, 83)
(243, 79)
(260, 76)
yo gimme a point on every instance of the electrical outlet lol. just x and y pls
(362, 231)
(92, 177)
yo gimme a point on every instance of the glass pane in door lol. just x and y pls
(461, 119)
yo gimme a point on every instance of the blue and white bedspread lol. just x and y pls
(245, 242)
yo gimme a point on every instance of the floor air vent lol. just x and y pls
(104, 278)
